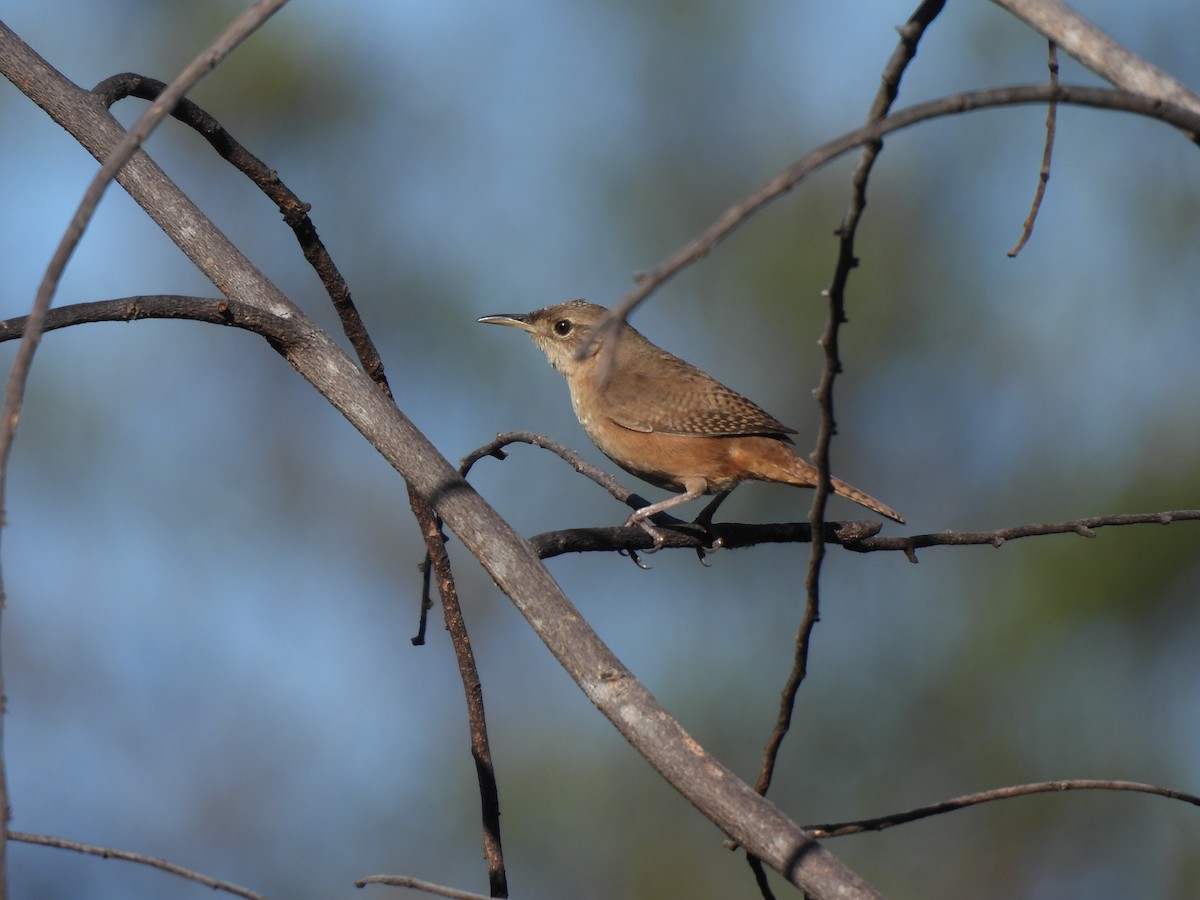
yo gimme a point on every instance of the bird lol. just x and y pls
(665, 421)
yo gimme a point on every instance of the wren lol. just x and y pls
(665, 421)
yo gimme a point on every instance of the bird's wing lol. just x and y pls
(688, 402)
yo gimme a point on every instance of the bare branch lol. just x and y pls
(495, 448)
(879, 823)
(485, 772)
(1099, 52)
(417, 885)
(1048, 149)
(1184, 118)
(294, 210)
(214, 310)
(46, 840)
(1083, 527)
(689, 536)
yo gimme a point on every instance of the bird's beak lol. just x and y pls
(513, 320)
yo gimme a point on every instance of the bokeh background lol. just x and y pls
(212, 579)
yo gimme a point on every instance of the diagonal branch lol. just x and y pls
(481, 751)
(713, 788)
(416, 884)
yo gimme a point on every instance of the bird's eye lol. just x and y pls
(563, 327)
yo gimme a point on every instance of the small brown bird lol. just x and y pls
(664, 420)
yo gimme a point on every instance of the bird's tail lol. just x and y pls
(770, 459)
(850, 492)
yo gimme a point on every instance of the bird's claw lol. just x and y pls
(702, 551)
(637, 560)
(656, 533)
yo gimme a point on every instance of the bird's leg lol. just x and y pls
(705, 519)
(693, 488)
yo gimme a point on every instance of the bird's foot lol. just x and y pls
(656, 534)
(712, 535)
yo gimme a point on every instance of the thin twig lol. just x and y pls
(46, 840)
(689, 536)
(760, 877)
(840, 829)
(481, 752)
(910, 36)
(212, 310)
(909, 544)
(1044, 172)
(495, 448)
(294, 210)
(416, 884)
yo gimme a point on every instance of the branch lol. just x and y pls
(416, 884)
(214, 311)
(46, 840)
(879, 823)
(1083, 527)
(714, 789)
(495, 448)
(1184, 118)
(293, 209)
(1047, 152)
(481, 752)
(679, 534)
(1099, 52)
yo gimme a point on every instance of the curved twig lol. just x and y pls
(1047, 153)
(732, 218)
(293, 209)
(495, 448)
(417, 884)
(47, 840)
(1097, 51)
(840, 829)
(481, 751)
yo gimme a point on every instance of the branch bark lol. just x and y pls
(1099, 52)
